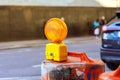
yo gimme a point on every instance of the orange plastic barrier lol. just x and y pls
(81, 55)
(77, 67)
(111, 75)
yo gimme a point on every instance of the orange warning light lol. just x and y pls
(55, 30)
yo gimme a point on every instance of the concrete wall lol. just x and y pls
(27, 22)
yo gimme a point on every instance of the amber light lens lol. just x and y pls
(55, 30)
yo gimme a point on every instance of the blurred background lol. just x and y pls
(22, 39)
(25, 19)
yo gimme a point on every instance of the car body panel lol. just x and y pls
(114, 26)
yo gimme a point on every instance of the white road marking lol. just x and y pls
(36, 66)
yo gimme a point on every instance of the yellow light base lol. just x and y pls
(56, 51)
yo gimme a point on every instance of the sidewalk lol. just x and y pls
(38, 43)
(22, 44)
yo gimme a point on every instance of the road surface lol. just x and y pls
(26, 62)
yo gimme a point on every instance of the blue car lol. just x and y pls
(110, 47)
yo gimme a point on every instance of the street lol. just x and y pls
(26, 62)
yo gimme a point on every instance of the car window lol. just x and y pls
(117, 24)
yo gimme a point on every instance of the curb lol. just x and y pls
(22, 44)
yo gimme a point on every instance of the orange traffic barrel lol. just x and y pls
(55, 30)
(111, 75)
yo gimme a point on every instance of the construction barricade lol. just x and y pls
(63, 65)
(77, 67)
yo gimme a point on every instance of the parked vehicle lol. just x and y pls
(110, 47)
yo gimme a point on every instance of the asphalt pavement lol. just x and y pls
(36, 43)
